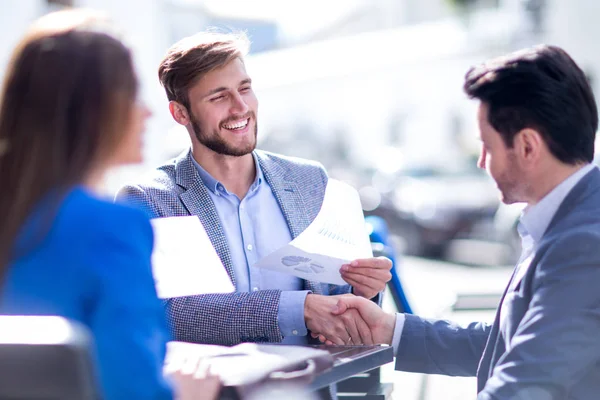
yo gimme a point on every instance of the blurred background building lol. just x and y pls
(370, 88)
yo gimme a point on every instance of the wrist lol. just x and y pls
(389, 325)
(307, 304)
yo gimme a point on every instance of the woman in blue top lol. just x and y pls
(68, 113)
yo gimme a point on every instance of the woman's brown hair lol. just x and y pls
(69, 90)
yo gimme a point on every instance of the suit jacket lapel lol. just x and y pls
(290, 200)
(198, 202)
(491, 347)
(288, 196)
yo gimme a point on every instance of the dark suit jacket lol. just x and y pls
(548, 344)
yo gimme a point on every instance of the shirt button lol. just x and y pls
(255, 289)
(294, 332)
(249, 247)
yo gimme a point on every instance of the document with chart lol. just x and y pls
(337, 236)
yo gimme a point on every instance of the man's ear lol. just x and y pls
(179, 113)
(529, 145)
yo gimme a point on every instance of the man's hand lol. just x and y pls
(192, 387)
(380, 323)
(344, 329)
(192, 378)
(367, 276)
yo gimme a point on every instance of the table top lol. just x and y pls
(351, 360)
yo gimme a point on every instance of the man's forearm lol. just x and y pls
(225, 318)
(440, 347)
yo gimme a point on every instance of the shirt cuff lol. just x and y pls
(291, 313)
(400, 318)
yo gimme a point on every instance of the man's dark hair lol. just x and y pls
(541, 88)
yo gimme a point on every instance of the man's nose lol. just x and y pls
(482, 157)
(239, 106)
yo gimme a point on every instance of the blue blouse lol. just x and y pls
(93, 266)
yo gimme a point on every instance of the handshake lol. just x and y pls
(350, 319)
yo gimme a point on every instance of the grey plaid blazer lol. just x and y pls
(175, 189)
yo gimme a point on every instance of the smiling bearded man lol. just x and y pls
(249, 201)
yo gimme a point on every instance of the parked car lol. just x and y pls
(428, 206)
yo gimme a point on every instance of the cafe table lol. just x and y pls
(355, 371)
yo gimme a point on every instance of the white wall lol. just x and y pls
(15, 16)
(357, 87)
(145, 27)
(574, 25)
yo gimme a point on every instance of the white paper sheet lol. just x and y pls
(240, 365)
(184, 262)
(337, 236)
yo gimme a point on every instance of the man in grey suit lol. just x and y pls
(537, 121)
(250, 202)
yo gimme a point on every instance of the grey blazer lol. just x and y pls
(175, 189)
(548, 345)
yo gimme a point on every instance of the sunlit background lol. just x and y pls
(371, 89)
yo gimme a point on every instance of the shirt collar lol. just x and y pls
(535, 219)
(215, 186)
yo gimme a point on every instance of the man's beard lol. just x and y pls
(511, 189)
(216, 143)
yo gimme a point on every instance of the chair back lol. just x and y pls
(45, 357)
